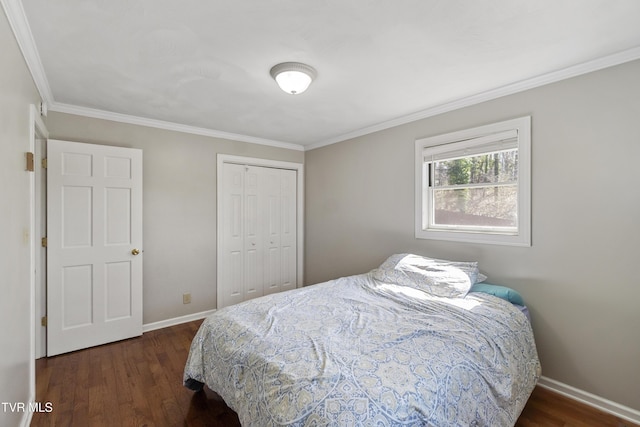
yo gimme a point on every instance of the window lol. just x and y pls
(475, 186)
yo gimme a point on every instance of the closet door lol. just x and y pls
(271, 220)
(253, 253)
(280, 230)
(258, 237)
(288, 230)
(231, 267)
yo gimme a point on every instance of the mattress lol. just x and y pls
(358, 351)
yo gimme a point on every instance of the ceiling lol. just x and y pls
(204, 64)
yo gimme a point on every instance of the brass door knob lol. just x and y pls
(135, 252)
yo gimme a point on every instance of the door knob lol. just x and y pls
(135, 252)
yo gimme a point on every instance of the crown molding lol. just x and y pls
(521, 86)
(160, 124)
(22, 31)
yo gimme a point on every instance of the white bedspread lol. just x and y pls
(358, 352)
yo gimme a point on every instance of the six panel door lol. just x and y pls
(94, 248)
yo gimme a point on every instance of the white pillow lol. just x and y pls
(442, 278)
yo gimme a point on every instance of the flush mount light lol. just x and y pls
(293, 77)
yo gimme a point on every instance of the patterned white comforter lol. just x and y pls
(358, 352)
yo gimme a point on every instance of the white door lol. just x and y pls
(288, 230)
(231, 267)
(253, 252)
(271, 219)
(258, 232)
(279, 218)
(94, 248)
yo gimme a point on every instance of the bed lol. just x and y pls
(405, 344)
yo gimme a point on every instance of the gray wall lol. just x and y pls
(179, 205)
(580, 277)
(17, 91)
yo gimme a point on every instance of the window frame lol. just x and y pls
(468, 139)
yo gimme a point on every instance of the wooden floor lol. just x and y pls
(138, 382)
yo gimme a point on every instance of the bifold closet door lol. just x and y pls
(231, 268)
(280, 230)
(258, 236)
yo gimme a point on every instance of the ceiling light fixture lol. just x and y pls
(293, 77)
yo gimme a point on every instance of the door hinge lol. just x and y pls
(44, 163)
(30, 163)
(43, 321)
(44, 242)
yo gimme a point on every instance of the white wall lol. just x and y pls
(580, 277)
(179, 206)
(17, 92)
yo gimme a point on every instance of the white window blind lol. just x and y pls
(496, 142)
(458, 200)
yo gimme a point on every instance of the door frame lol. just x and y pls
(253, 161)
(37, 130)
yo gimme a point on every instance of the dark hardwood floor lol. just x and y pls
(138, 382)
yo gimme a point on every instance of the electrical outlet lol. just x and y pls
(186, 298)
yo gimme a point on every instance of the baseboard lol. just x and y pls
(620, 411)
(176, 321)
